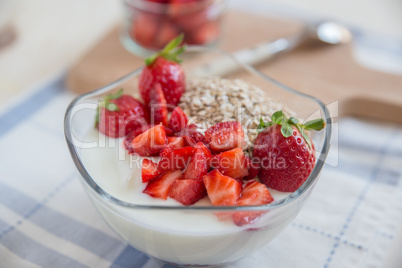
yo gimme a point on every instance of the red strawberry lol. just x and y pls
(130, 137)
(176, 142)
(128, 140)
(120, 114)
(189, 22)
(222, 190)
(253, 194)
(150, 142)
(188, 192)
(149, 170)
(167, 32)
(224, 136)
(192, 135)
(160, 186)
(189, 141)
(178, 120)
(285, 152)
(144, 29)
(231, 163)
(201, 146)
(175, 158)
(165, 152)
(164, 69)
(157, 105)
(253, 168)
(197, 167)
(205, 33)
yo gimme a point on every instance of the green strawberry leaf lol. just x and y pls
(173, 44)
(306, 138)
(97, 119)
(278, 117)
(170, 52)
(286, 129)
(113, 96)
(151, 59)
(293, 120)
(316, 124)
(262, 126)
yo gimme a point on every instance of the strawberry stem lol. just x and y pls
(280, 118)
(170, 52)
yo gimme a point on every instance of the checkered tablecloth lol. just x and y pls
(46, 220)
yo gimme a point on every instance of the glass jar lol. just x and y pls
(151, 24)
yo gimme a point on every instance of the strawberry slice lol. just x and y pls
(208, 155)
(150, 142)
(175, 158)
(253, 194)
(253, 168)
(222, 190)
(192, 135)
(231, 163)
(157, 105)
(149, 170)
(224, 136)
(130, 137)
(189, 141)
(165, 152)
(188, 192)
(176, 142)
(197, 167)
(160, 186)
(178, 120)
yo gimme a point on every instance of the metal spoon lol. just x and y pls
(324, 32)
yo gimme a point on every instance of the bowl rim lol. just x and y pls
(313, 177)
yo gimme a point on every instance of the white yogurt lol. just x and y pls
(181, 237)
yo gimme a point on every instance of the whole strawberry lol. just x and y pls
(163, 68)
(285, 151)
(119, 114)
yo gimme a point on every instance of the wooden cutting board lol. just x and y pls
(327, 72)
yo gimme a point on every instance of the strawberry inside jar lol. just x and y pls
(153, 23)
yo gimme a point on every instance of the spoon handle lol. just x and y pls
(252, 56)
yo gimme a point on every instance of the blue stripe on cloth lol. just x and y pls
(24, 109)
(83, 235)
(130, 257)
(32, 251)
(375, 172)
(3, 228)
(366, 147)
(60, 225)
(364, 171)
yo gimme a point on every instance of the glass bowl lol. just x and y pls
(185, 235)
(150, 24)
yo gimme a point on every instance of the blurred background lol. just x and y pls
(46, 37)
